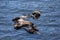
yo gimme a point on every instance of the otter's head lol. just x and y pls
(36, 14)
(16, 23)
(16, 19)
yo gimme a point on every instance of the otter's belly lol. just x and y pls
(25, 23)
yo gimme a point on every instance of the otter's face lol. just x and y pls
(16, 23)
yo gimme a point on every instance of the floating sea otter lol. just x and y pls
(34, 15)
(19, 23)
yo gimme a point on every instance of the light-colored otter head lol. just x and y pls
(36, 14)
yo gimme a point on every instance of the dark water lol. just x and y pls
(48, 24)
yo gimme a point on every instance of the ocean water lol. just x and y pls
(48, 23)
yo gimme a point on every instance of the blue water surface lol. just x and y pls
(48, 23)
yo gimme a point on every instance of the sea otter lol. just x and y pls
(34, 15)
(20, 22)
